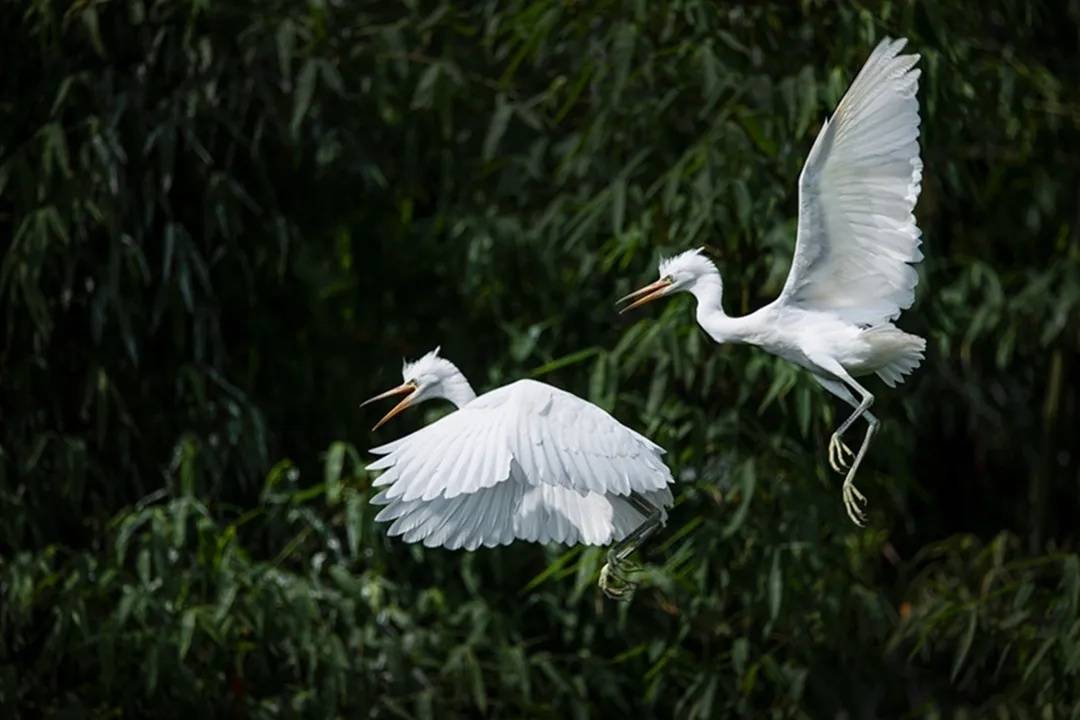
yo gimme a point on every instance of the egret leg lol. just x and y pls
(838, 449)
(854, 501)
(614, 578)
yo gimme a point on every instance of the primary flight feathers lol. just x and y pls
(857, 234)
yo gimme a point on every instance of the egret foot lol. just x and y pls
(615, 577)
(853, 499)
(837, 450)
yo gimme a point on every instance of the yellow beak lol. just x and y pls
(409, 387)
(647, 294)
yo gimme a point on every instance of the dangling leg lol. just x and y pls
(613, 578)
(837, 447)
(853, 499)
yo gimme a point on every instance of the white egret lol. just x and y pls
(526, 461)
(851, 273)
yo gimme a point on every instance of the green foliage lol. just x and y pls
(223, 223)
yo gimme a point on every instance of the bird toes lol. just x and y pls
(614, 583)
(837, 450)
(853, 499)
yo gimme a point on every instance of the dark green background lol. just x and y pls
(223, 224)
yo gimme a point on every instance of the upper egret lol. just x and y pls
(526, 461)
(851, 274)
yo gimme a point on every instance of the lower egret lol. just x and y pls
(526, 461)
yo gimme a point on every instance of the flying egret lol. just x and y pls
(851, 273)
(526, 461)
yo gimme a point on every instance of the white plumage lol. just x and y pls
(857, 234)
(851, 272)
(526, 461)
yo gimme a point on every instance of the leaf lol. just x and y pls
(305, 89)
(285, 39)
(807, 86)
(335, 461)
(587, 568)
(964, 647)
(703, 705)
(56, 150)
(623, 55)
(476, 680)
(226, 598)
(187, 631)
(803, 404)
(784, 379)
(354, 521)
(1071, 583)
(618, 204)
(61, 94)
(189, 451)
(93, 29)
(424, 96)
(709, 73)
(747, 483)
(497, 127)
(743, 203)
(776, 586)
(331, 77)
(560, 563)
(565, 361)
(740, 651)
(1037, 658)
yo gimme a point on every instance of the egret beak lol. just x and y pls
(409, 387)
(646, 294)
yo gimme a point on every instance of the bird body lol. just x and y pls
(851, 273)
(526, 461)
(805, 337)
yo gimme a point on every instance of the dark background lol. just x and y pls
(223, 224)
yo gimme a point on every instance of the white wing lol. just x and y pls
(857, 235)
(527, 461)
(553, 437)
(515, 510)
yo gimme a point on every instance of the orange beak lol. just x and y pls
(647, 294)
(409, 387)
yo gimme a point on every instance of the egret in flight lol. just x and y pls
(526, 461)
(851, 273)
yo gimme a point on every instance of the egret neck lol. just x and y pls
(457, 389)
(708, 291)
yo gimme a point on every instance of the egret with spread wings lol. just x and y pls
(852, 273)
(526, 461)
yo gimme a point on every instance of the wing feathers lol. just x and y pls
(857, 236)
(527, 461)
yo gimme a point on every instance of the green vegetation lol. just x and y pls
(223, 224)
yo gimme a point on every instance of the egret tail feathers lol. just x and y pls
(901, 353)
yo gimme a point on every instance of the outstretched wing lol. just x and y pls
(528, 462)
(515, 510)
(857, 235)
(551, 436)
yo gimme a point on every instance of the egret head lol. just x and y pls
(681, 273)
(426, 378)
